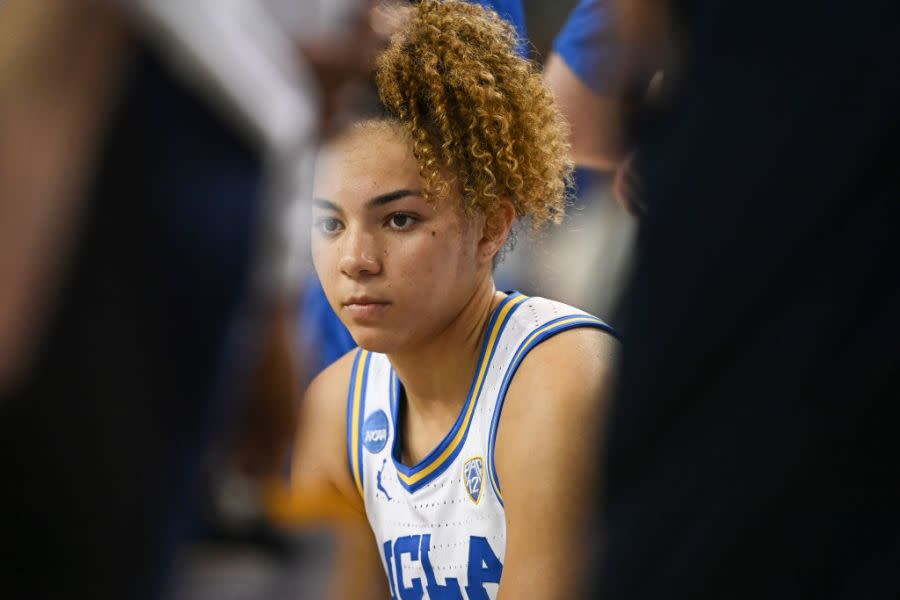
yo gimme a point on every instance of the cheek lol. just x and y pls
(323, 259)
(441, 260)
(407, 266)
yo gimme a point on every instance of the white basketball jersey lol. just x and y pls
(440, 524)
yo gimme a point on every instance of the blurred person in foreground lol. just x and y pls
(411, 209)
(132, 228)
(753, 437)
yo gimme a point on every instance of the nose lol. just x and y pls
(359, 255)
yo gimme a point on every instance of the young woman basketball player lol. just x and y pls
(465, 426)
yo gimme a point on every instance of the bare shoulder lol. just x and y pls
(558, 391)
(324, 392)
(572, 365)
(551, 425)
(320, 459)
(325, 400)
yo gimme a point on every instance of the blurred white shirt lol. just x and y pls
(245, 54)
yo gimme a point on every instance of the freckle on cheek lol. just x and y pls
(433, 233)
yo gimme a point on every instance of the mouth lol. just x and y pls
(364, 308)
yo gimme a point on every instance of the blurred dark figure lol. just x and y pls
(133, 331)
(753, 446)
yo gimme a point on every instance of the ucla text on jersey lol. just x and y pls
(440, 523)
(411, 553)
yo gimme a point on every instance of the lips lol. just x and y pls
(363, 300)
(364, 308)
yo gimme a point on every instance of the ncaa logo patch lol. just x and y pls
(473, 474)
(375, 432)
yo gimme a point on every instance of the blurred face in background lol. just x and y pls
(396, 269)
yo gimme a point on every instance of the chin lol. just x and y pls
(376, 341)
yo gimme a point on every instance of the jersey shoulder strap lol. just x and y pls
(536, 321)
(367, 404)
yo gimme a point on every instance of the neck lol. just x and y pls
(436, 376)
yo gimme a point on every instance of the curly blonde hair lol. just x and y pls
(477, 110)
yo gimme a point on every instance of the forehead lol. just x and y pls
(368, 160)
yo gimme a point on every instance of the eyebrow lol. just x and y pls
(377, 201)
(390, 197)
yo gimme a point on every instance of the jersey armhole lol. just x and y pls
(356, 406)
(538, 335)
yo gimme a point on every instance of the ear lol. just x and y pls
(495, 231)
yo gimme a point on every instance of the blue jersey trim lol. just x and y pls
(538, 335)
(438, 460)
(350, 423)
(362, 420)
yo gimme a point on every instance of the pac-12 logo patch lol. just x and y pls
(375, 432)
(473, 474)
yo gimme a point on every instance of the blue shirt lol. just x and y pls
(514, 13)
(588, 46)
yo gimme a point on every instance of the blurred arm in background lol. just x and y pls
(605, 63)
(584, 72)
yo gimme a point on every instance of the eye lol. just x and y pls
(401, 221)
(328, 225)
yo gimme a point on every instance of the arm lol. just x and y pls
(547, 462)
(586, 74)
(595, 120)
(320, 458)
(322, 489)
